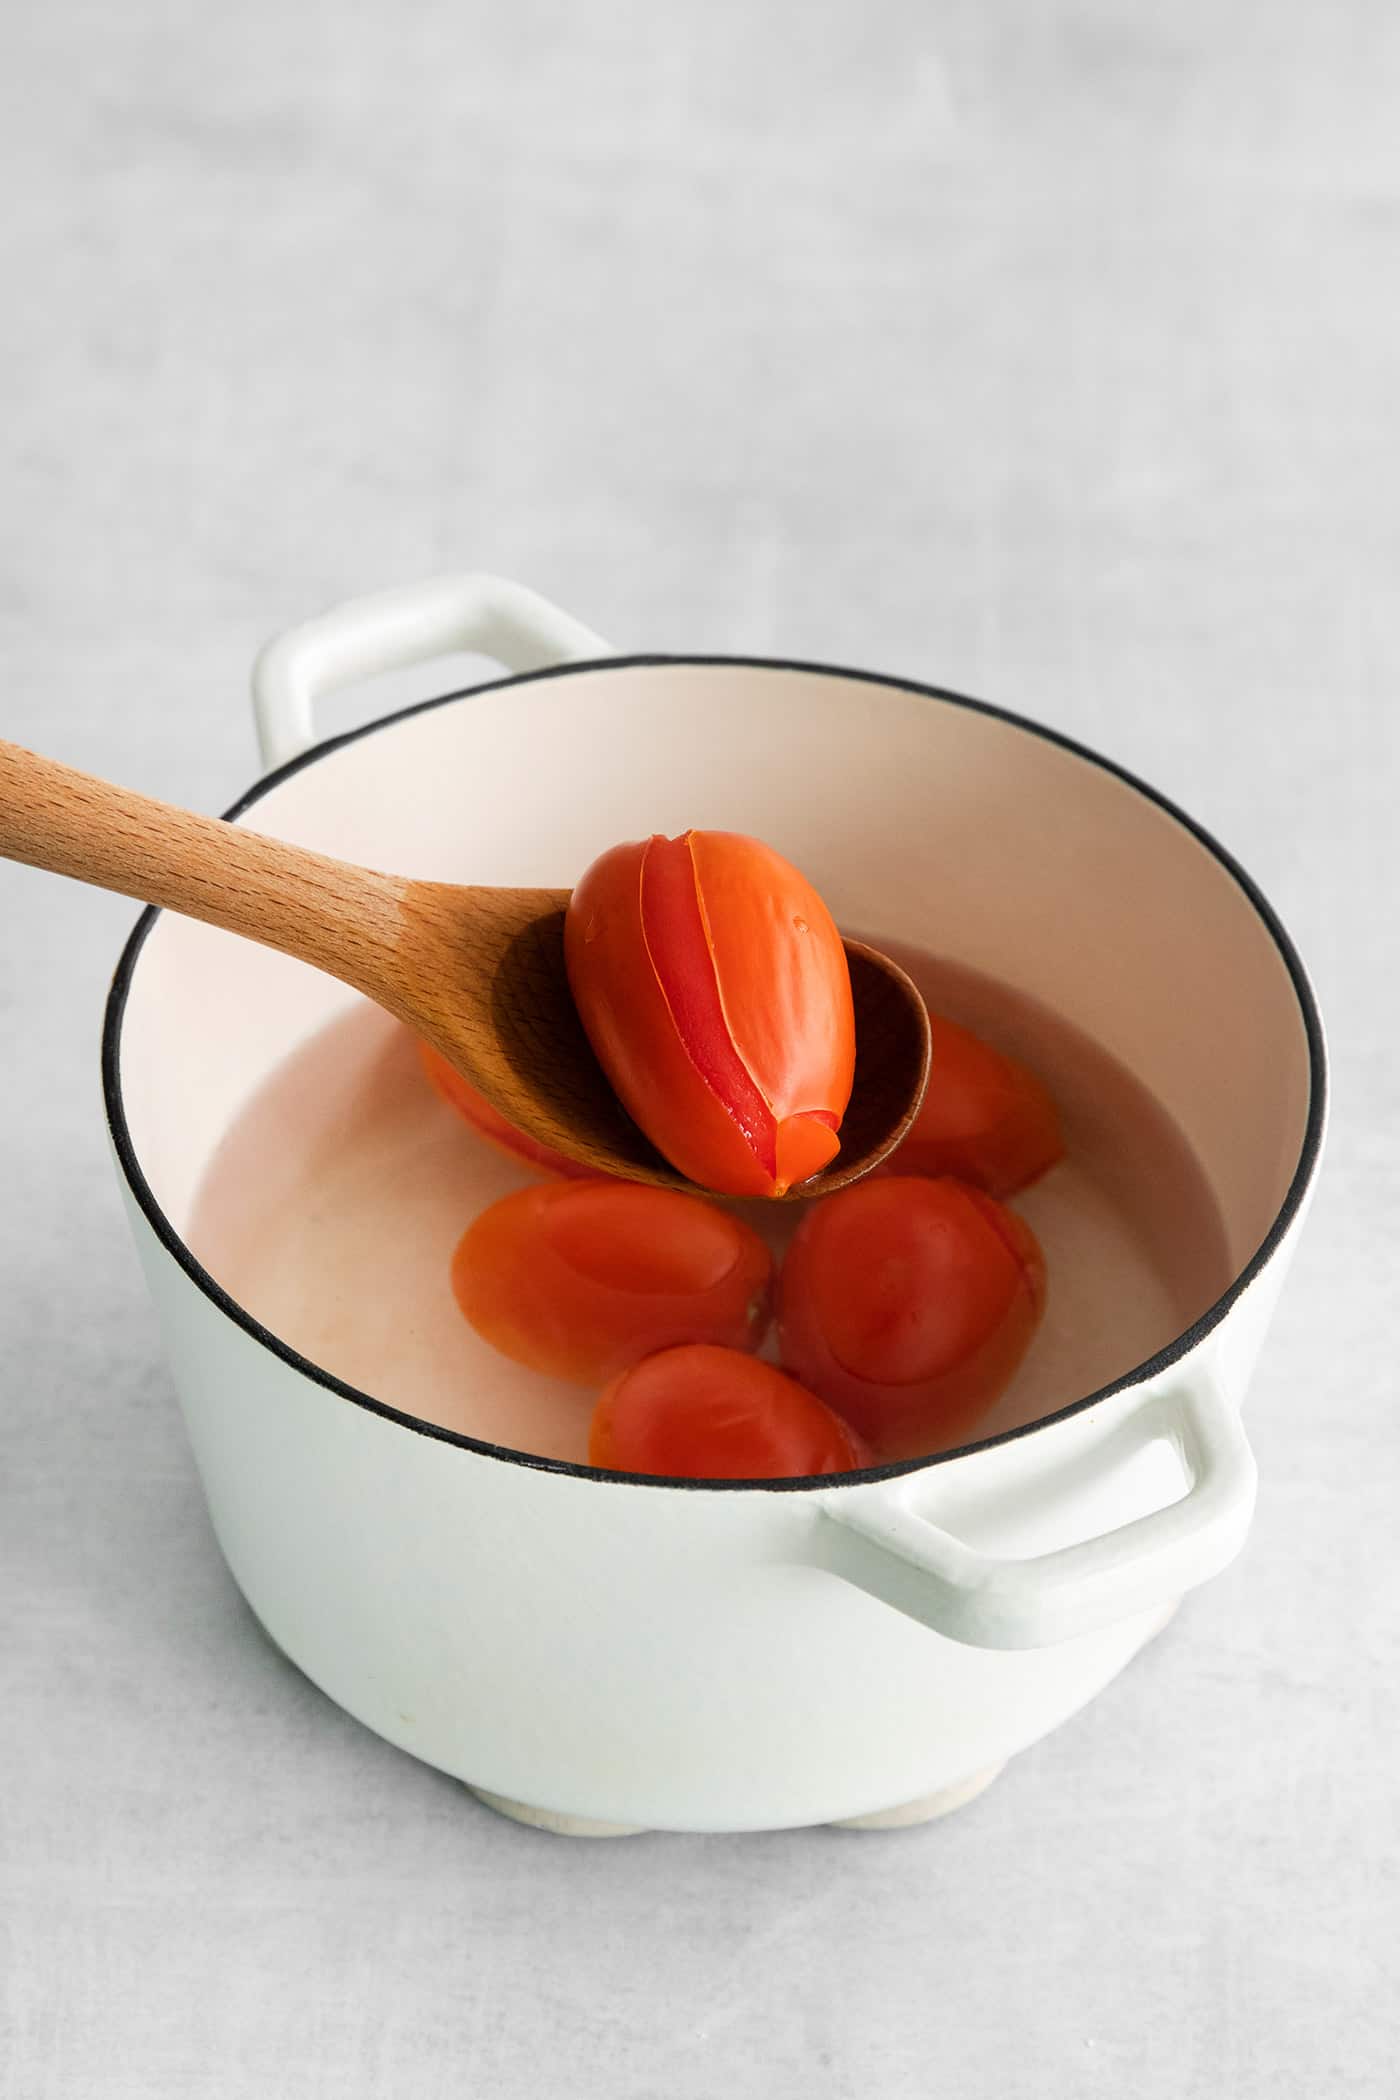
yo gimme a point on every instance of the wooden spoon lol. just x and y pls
(478, 973)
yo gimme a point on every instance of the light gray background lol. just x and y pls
(1048, 351)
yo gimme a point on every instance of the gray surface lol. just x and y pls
(1049, 352)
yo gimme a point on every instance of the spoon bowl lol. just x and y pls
(476, 972)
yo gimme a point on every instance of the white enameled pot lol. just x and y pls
(591, 1651)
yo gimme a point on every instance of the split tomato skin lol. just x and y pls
(582, 1279)
(986, 1118)
(488, 1122)
(713, 985)
(907, 1305)
(702, 1413)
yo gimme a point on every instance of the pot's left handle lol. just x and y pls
(392, 630)
(877, 1539)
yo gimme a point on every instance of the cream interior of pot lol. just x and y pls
(925, 821)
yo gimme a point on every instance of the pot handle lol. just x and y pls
(877, 1540)
(392, 630)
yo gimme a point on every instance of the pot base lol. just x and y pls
(553, 1819)
(903, 1816)
(928, 1808)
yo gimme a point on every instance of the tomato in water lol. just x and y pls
(580, 1279)
(907, 1305)
(702, 1413)
(985, 1118)
(488, 1122)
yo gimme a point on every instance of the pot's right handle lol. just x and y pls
(876, 1539)
(485, 615)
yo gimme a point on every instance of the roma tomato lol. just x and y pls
(907, 1304)
(713, 985)
(582, 1278)
(474, 1108)
(985, 1118)
(708, 1414)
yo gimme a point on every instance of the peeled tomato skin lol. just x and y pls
(782, 973)
(727, 1032)
(628, 1022)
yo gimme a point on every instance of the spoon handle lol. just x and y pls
(343, 919)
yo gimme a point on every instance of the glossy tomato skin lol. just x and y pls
(701, 1413)
(488, 1122)
(713, 985)
(581, 1279)
(986, 1118)
(907, 1305)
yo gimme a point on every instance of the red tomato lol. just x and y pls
(986, 1118)
(713, 985)
(474, 1108)
(582, 1278)
(907, 1304)
(702, 1413)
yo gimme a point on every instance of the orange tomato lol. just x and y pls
(702, 1413)
(907, 1305)
(985, 1118)
(580, 1279)
(713, 985)
(474, 1108)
